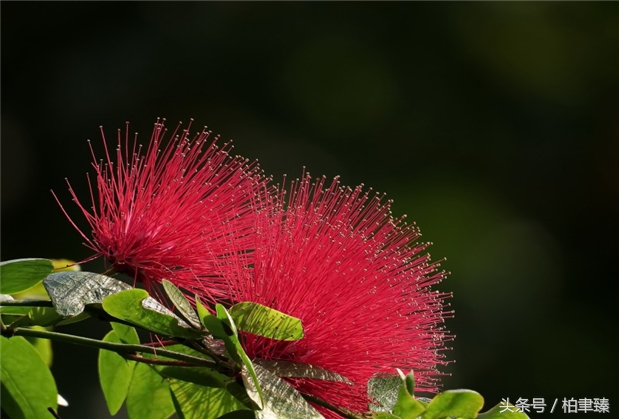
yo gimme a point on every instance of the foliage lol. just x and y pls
(195, 365)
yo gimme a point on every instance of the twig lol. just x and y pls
(26, 303)
(120, 348)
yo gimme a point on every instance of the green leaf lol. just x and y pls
(126, 334)
(28, 388)
(202, 311)
(298, 370)
(499, 412)
(36, 316)
(75, 319)
(219, 330)
(179, 348)
(383, 390)
(180, 302)
(136, 307)
(44, 316)
(240, 393)
(20, 274)
(71, 291)
(12, 310)
(248, 368)
(115, 373)
(460, 403)
(197, 375)
(264, 321)
(43, 347)
(149, 395)
(216, 327)
(407, 407)
(281, 400)
(36, 292)
(194, 401)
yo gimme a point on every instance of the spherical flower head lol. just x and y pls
(166, 211)
(335, 258)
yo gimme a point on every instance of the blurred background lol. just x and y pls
(494, 126)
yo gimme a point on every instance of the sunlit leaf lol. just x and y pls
(194, 401)
(459, 403)
(6, 297)
(136, 307)
(180, 302)
(501, 411)
(264, 321)
(281, 400)
(115, 373)
(298, 370)
(20, 274)
(149, 395)
(71, 291)
(383, 391)
(28, 388)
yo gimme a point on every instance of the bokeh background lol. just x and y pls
(494, 126)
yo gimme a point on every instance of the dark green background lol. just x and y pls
(492, 125)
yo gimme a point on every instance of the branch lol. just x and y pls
(26, 303)
(120, 348)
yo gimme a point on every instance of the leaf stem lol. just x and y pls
(120, 348)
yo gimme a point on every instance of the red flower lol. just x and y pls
(335, 258)
(167, 211)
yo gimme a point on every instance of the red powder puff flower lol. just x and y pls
(335, 258)
(165, 212)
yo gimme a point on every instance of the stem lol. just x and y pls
(120, 348)
(320, 402)
(138, 358)
(90, 309)
(26, 303)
